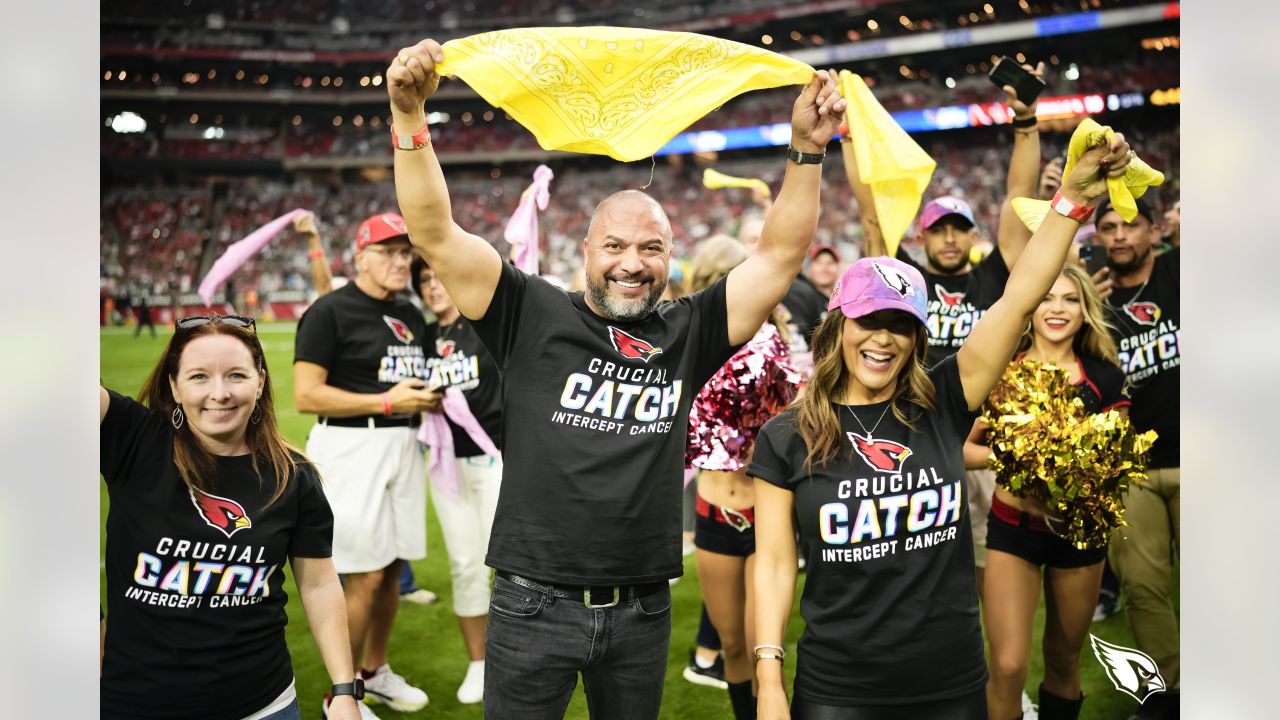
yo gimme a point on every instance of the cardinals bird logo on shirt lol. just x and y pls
(221, 513)
(1146, 313)
(949, 299)
(630, 346)
(1133, 672)
(900, 283)
(401, 331)
(882, 455)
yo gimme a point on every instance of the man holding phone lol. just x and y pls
(359, 364)
(1144, 312)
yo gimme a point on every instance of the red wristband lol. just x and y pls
(386, 404)
(419, 140)
(315, 254)
(1067, 207)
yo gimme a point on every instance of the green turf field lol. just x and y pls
(427, 647)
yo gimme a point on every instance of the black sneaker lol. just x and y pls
(707, 677)
(1108, 605)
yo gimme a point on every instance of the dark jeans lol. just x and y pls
(538, 643)
(967, 707)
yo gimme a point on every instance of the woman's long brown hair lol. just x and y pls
(817, 418)
(196, 465)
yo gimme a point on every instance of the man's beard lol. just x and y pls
(625, 310)
(959, 265)
(1130, 267)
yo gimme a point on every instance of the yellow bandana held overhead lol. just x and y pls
(1137, 178)
(621, 92)
(714, 180)
(897, 169)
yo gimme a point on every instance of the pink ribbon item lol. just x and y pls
(240, 251)
(522, 228)
(438, 437)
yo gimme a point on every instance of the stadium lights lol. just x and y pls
(990, 11)
(128, 122)
(766, 39)
(377, 80)
(872, 25)
(1072, 72)
(437, 117)
(951, 82)
(213, 133)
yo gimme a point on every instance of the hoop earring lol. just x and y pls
(256, 416)
(177, 418)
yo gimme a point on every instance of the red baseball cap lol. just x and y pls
(819, 249)
(380, 227)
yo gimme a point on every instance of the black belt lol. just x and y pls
(593, 596)
(373, 421)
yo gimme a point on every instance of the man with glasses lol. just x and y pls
(358, 365)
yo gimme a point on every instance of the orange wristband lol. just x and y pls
(386, 404)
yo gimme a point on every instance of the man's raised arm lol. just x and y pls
(756, 286)
(466, 265)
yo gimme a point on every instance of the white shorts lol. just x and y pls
(375, 480)
(982, 484)
(466, 520)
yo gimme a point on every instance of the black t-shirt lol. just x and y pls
(195, 582)
(368, 345)
(891, 602)
(456, 357)
(1147, 327)
(956, 302)
(803, 309)
(595, 413)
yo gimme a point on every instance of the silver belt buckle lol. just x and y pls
(586, 598)
(735, 519)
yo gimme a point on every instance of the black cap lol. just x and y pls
(1143, 209)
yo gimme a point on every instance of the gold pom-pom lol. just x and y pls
(1045, 445)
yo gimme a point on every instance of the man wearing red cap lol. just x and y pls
(358, 364)
(823, 269)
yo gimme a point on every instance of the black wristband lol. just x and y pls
(803, 158)
(355, 688)
(1024, 122)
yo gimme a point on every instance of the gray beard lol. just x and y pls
(624, 310)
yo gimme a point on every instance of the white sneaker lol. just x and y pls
(366, 712)
(385, 686)
(1030, 711)
(471, 691)
(420, 596)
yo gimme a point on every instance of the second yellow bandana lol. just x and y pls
(1124, 190)
(715, 180)
(895, 166)
(621, 92)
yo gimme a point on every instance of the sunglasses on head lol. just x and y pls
(241, 321)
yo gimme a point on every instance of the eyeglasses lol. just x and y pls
(240, 321)
(403, 254)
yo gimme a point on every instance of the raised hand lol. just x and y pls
(1019, 108)
(1088, 179)
(305, 224)
(1051, 178)
(412, 77)
(817, 113)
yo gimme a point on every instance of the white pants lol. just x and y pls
(374, 479)
(465, 521)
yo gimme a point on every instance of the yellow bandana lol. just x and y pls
(897, 169)
(714, 180)
(1137, 178)
(621, 92)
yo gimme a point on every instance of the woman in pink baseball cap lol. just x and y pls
(867, 467)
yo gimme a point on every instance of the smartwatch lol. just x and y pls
(355, 688)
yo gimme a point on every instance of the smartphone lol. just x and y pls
(1008, 72)
(1094, 257)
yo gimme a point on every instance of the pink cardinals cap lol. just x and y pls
(879, 283)
(378, 228)
(939, 208)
